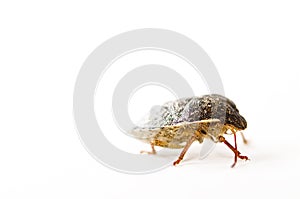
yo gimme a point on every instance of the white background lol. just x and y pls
(255, 46)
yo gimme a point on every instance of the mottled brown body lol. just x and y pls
(178, 124)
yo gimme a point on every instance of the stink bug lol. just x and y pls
(177, 124)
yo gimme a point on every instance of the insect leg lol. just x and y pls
(233, 130)
(235, 151)
(244, 139)
(150, 152)
(235, 146)
(187, 146)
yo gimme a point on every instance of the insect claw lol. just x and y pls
(243, 157)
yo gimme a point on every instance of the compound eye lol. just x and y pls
(203, 132)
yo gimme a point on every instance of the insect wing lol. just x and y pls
(207, 148)
(147, 127)
(189, 111)
(150, 119)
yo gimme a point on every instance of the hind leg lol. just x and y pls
(150, 152)
(156, 142)
(187, 146)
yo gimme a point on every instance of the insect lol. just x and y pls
(177, 124)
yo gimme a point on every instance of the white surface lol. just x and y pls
(255, 46)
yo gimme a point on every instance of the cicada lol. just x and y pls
(177, 124)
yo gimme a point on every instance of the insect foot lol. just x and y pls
(234, 150)
(241, 157)
(177, 161)
(148, 152)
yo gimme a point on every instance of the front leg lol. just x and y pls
(235, 151)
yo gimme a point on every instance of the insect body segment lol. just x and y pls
(179, 123)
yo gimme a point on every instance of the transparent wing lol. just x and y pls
(207, 148)
(145, 120)
(148, 125)
(152, 119)
(189, 110)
